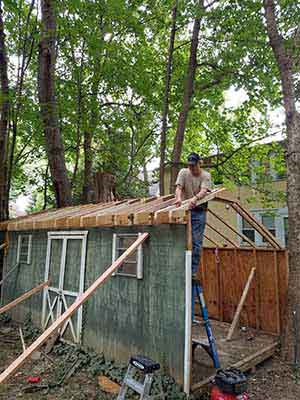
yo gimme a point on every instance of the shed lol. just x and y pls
(145, 306)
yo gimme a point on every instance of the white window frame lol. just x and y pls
(28, 261)
(279, 214)
(139, 255)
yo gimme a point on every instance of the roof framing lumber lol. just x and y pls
(15, 365)
(24, 296)
(245, 238)
(260, 228)
(222, 235)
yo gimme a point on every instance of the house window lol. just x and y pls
(248, 230)
(269, 222)
(24, 249)
(133, 265)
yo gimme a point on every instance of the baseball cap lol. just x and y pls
(193, 159)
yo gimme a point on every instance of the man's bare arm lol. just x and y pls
(178, 196)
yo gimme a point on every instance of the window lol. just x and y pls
(248, 230)
(133, 265)
(24, 249)
(269, 222)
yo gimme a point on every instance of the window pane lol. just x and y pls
(250, 233)
(246, 225)
(268, 221)
(129, 267)
(24, 249)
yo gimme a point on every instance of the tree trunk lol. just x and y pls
(105, 187)
(4, 110)
(87, 195)
(285, 64)
(164, 128)
(48, 106)
(187, 97)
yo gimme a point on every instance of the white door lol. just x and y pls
(65, 267)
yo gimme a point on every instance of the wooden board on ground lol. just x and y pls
(247, 350)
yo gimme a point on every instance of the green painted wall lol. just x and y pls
(125, 316)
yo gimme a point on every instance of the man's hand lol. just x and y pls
(193, 202)
(178, 202)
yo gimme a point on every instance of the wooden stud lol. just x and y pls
(24, 296)
(257, 291)
(15, 365)
(245, 238)
(211, 240)
(277, 306)
(240, 306)
(260, 228)
(222, 235)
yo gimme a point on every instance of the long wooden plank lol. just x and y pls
(240, 306)
(222, 235)
(70, 311)
(260, 228)
(24, 296)
(244, 365)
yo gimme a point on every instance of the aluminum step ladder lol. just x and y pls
(211, 346)
(145, 368)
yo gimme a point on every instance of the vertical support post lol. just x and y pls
(257, 291)
(278, 325)
(188, 311)
(188, 323)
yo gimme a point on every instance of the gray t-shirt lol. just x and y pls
(191, 185)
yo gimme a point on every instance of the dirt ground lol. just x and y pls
(69, 374)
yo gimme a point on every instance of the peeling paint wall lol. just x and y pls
(125, 316)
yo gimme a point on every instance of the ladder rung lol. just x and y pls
(135, 385)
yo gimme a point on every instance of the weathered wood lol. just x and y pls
(70, 311)
(240, 306)
(211, 240)
(243, 365)
(277, 305)
(260, 228)
(252, 244)
(3, 246)
(24, 296)
(222, 235)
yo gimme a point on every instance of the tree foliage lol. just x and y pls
(111, 61)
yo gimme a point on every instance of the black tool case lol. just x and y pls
(231, 381)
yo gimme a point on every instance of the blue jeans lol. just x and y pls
(198, 219)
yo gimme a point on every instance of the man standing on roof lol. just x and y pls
(194, 183)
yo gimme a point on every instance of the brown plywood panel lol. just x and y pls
(208, 275)
(269, 305)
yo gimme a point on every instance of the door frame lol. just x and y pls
(60, 291)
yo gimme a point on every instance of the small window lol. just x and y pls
(248, 230)
(24, 249)
(133, 265)
(269, 222)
